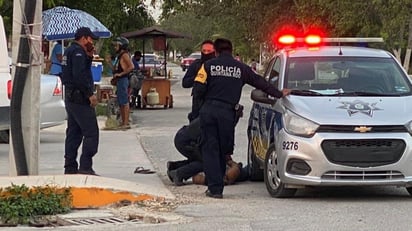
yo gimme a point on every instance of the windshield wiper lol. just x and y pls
(305, 92)
(363, 93)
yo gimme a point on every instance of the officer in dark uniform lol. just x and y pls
(219, 82)
(187, 137)
(207, 52)
(80, 103)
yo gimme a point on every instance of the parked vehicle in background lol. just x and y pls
(189, 60)
(52, 111)
(152, 62)
(347, 122)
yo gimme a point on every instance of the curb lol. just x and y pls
(92, 191)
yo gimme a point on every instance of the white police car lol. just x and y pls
(348, 120)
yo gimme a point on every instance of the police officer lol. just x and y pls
(187, 137)
(80, 103)
(207, 52)
(219, 82)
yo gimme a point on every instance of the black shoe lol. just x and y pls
(172, 165)
(178, 181)
(70, 171)
(169, 165)
(88, 172)
(168, 175)
(216, 196)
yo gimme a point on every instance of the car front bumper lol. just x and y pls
(355, 170)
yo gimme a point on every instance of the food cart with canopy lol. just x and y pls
(152, 84)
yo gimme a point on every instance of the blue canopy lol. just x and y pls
(61, 23)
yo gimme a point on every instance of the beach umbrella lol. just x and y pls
(60, 23)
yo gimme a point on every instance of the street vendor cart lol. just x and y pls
(155, 88)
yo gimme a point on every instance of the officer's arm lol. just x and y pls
(189, 77)
(199, 86)
(79, 72)
(259, 82)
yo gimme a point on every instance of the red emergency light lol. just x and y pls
(291, 38)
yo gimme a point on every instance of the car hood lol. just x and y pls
(352, 110)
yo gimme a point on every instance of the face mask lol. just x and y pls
(204, 57)
(89, 47)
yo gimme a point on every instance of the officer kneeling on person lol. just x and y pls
(219, 82)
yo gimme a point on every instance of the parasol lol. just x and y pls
(61, 23)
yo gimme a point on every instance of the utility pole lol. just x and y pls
(25, 101)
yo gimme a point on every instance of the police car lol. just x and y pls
(347, 122)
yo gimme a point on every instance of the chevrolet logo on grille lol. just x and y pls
(362, 129)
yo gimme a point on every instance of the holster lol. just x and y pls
(238, 111)
(76, 96)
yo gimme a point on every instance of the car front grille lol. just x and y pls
(352, 129)
(363, 152)
(362, 175)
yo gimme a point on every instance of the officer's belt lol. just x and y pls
(220, 103)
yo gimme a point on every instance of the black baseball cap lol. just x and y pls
(84, 31)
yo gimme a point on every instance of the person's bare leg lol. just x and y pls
(122, 114)
(126, 115)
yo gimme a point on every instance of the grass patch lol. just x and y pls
(19, 204)
(101, 109)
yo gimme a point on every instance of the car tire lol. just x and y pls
(5, 136)
(274, 184)
(255, 172)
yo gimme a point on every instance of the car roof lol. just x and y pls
(328, 51)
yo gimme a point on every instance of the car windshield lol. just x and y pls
(346, 76)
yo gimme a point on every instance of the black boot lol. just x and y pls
(176, 179)
(173, 165)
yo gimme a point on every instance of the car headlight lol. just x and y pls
(299, 126)
(409, 127)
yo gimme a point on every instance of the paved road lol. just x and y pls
(247, 205)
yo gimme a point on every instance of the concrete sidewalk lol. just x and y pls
(120, 153)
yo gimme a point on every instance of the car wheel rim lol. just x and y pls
(272, 170)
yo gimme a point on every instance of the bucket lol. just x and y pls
(152, 97)
(97, 69)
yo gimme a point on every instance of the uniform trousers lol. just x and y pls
(187, 143)
(217, 122)
(81, 127)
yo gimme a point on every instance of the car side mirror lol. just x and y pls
(259, 96)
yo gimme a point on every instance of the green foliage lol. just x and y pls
(18, 204)
(101, 109)
(250, 23)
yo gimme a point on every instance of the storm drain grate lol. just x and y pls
(94, 221)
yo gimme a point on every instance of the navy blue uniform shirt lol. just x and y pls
(222, 79)
(77, 72)
(189, 77)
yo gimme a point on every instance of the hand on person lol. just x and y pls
(93, 100)
(286, 92)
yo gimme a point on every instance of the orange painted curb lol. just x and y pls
(97, 197)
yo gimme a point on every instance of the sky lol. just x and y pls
(155, 12)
